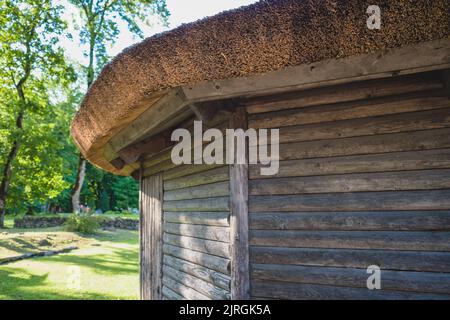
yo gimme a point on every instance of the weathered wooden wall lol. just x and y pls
(364, 180)
(196, 226)
(151, 237)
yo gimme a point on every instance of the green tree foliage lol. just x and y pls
(31, 62)
(99, 28)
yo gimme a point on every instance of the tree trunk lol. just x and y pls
(7, 171)
(81, 171)
(76, 190)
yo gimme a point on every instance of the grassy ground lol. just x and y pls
(105, 266)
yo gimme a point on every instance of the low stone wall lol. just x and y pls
(120, 223)
(38, 222)
(49, 222)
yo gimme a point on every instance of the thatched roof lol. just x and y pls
(263, 37)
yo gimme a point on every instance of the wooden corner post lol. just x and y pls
(240, 276)
(151, 237)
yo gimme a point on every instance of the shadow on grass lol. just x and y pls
(18, 284)
(120, 261)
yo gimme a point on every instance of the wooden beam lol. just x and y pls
(426, 56)
(151, 237)
(239, 231)
(203, 112)
(133, 153)
(165, 113)
(118, 163)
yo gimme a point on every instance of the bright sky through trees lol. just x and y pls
(182, 11)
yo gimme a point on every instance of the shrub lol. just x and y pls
(82, 223)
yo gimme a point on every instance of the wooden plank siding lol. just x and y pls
(195, 227)
(197, 232)
(364, 180)
(151, 238)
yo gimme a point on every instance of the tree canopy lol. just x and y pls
(40, 92)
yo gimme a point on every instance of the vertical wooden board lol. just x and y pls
(151, 237)
(240, 278)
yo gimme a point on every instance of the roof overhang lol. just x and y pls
(120, 153)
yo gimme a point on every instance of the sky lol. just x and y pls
(182, 11)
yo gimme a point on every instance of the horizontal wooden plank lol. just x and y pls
(413, 121)
(356, 201)
(203, 232)
(350, 110)
(345, 92)
(169, 294)
(295, 291)
(205, 288)
(194, 175)
(216, 248)
(206, 260)
(207, 204)
(409, 141)
(216, 278)
(160, 167)
(395, 161)
(220, 219)
(381, 220)
(218, 189)
(356, 182)
(182, 290)
(197, 173)
(385, 259)
(352, 277)
(386, 240)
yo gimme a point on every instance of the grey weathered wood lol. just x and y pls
(381, 220)
(203, 232)
(196, 284)
(207, 204)
(406, 141)
(166, 112)
(294, 291)
(240, 276)
(346, 92)
(194, 175)
(350, 110)
(216, 278)
(395, 161)
(169, 294)
(424, 120)
(216, 248)
(154, 159)
(206, 260)
(352, 277)
(357, 201)
(151, 237)
(385, 259)
(431, 55)
(158, 168)
(357, 182)
(186, 292)
(398, 240)
(220, 219)
(217, 189)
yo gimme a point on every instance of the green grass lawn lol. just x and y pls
(106, 265)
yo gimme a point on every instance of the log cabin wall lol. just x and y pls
(364, 180)
(195, 258)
